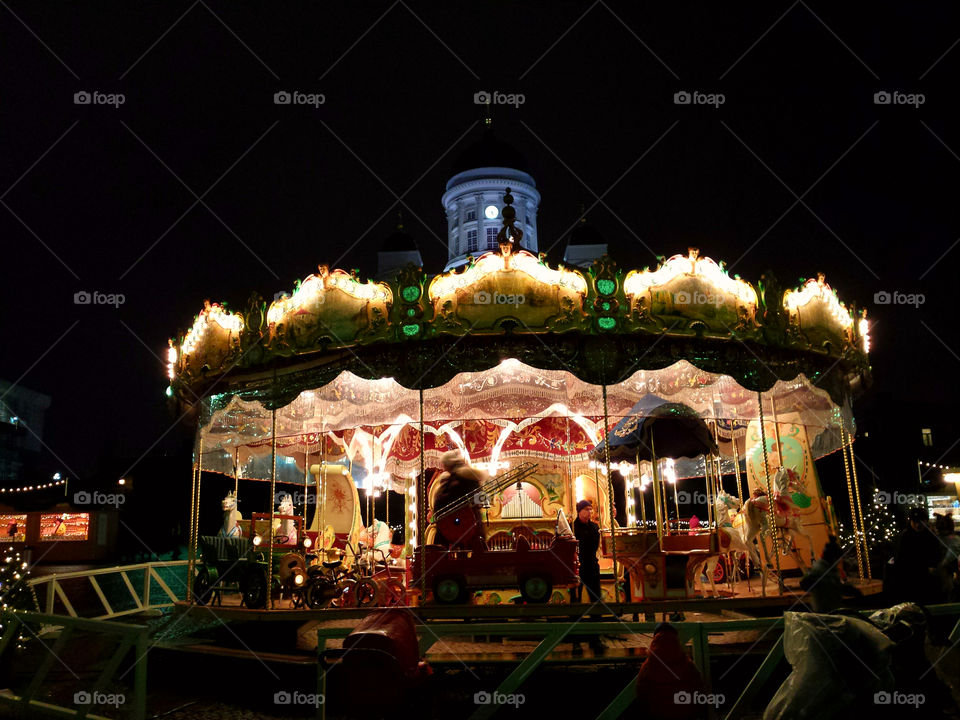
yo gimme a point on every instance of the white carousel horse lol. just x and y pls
(732, 521)
(287, 527)
(230, 527)
(786, 518)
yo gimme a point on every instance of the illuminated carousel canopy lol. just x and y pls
(601, 326)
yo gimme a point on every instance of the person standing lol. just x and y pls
(587, 533)
(457, 481)
(949, 567)
(916, 559)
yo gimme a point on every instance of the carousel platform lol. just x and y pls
(741, 599)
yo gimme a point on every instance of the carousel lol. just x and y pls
(687, 404)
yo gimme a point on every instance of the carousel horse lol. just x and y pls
(732, 522)
(286, 532)
(230, 517)
(788, 497)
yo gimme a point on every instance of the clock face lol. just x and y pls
(491, 212)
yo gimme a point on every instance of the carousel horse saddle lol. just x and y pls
(332, 564)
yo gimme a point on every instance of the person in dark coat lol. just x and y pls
(824, 581)
(916, 559)
(457, 480)
(669, 685)
(587, 533)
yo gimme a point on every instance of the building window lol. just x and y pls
(927, 434)
(472, 214)
(491, 238)
(471, 241)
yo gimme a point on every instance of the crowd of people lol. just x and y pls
(924, 567)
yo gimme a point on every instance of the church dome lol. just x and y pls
(399, 241)
(489, 151)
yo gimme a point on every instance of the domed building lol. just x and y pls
(397, 250)
(474, 195)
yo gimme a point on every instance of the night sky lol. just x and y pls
(200, 187)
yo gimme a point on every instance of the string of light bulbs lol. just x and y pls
(28, 488)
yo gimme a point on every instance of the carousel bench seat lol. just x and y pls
(215, 549)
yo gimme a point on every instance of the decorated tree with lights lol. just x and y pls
(15, 594)
(880, 528)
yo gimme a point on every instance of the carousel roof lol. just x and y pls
(601, 327)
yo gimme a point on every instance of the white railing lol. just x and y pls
(54, 588)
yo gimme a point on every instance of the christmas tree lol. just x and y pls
(15, 594)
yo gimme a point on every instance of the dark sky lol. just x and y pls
(105, 199)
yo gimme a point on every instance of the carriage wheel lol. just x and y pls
(319, 592)
(201, 587)
(536, 589)
(254, 588)
(720, 571)
(347, 597)
(450, 589)
(365, 592)
(393, 593)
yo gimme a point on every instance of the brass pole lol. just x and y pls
(273, 497)
(643, 504)
(236, 471)
(613, 524)
(853, 502)
(771, 515)
(736, 468)
(196, 523)
(658, 510)
(596, 482)
(191, 553)
(306, 480)
(422, 507)
(856, 494)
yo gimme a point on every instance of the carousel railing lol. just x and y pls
(697, 634)
(117, 591)
(90, 690)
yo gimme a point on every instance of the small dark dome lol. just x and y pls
(489, 151)
(585, 234)
(398, 241)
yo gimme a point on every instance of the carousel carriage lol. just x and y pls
(381, 378)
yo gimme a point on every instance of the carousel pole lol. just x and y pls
(191, 553)
(196, 522)
(613, 512)
(273, 496)
(856, 491)
(236, 471)
(322, 492)
(657, 509)
(596, 482)
(306, 480)
(709, 471)
(771, 516)
(736, 468)
(853, 502)
(643, 505)
(421, 507)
